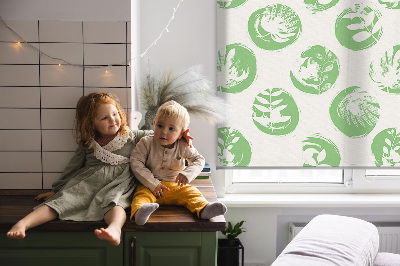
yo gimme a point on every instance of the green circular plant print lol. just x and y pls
(316, 71)
(227, 4)
(320, 151)
(320, 5)
(386, 147)
(358, 28)
(275, 112)
(233, 148)
(385, 71)
(391, 4)
(274, 27)
(354, 112)
(236, 68)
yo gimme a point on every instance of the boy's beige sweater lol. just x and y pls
(152, 163)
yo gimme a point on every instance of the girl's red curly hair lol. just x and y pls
(86, 108)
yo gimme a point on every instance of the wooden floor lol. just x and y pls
(15, 204)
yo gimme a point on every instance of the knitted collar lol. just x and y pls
(105, 153)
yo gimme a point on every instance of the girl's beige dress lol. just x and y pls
(96, 180)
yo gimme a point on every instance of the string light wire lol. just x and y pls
(164, 30)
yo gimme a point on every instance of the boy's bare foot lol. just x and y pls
(110, 234)
(17, 231)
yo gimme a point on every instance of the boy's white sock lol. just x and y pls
(144, 212)
(213, 209)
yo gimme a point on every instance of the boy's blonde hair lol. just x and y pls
(86, 109)
(175, 110)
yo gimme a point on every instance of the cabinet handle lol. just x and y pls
(132, 251)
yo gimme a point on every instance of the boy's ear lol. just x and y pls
(183, 133)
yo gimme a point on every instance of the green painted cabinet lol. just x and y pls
(172, 236)
(59, 248)
(136, 249)
(170, 248)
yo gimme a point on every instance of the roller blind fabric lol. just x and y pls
(312, 83)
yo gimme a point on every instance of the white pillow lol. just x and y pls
(387, 259)
(333, 240)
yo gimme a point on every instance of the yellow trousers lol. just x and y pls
(187, 196)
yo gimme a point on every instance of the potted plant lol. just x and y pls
(228, 249)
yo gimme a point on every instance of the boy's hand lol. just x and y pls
(45, 196)
(181, 180)
(158, 191)
(188, 138)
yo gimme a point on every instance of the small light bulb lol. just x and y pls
(106, 71)
(59, 65)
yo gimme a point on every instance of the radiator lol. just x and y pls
(389, 235)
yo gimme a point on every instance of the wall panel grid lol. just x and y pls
(39, 92)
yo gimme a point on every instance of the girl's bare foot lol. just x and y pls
(110, 234)
(17, 231)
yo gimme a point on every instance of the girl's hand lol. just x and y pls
(181, 180)
(187, 137)
(158, 191)
(45, 196)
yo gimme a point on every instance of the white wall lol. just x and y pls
(71, 10)
(192, 40)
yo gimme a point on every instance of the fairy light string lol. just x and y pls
(164, 30)
(41, 53)
(65, 62)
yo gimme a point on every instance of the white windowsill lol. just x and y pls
(311, 200)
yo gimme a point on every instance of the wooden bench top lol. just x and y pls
(15, 204)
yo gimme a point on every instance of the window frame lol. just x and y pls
(375, 184)
(354, 181)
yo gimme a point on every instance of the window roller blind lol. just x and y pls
(313, 83)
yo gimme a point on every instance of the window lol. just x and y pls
(288, 176)
(382, 172)
(377, 180)
(312, 180)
